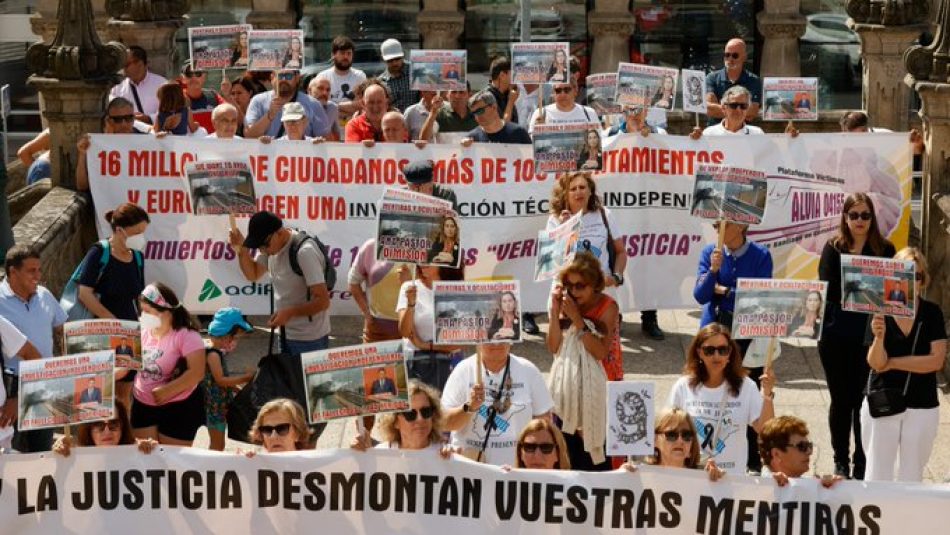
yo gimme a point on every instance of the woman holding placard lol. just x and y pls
(905, 356)
(842, 347)
(723, 401)
(114, 432)
(677, 444)
(418, 428)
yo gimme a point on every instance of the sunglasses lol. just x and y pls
(685, 434)
(863, 216)
(285, 76)
(479, 111)
(194, 74)
(804, 446)
(268, 430)
(563, 90)
(113, 425)
(575, 286)
(709, 351)
(424, 412)
(731, 55)
(737, 105)
(121, 118)
(546, 448)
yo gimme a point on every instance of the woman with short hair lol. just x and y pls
(541, 447)
(281, 426)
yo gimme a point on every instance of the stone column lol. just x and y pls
(44, 20)
(441, 23)
(73, 74)
(272, 15)
(611, 24)
(929, 75)
(886, 28)
(152, 25)
(781, 24)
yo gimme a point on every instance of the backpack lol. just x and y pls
(70, 302)
(329, 272)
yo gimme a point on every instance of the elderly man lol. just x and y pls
(786, 450)
(732, 74)
(319, 90)
(394, 128)
(396, 75)
(294, 118)
(140, 85)
(368, 125)
(263, 116)
(736, 102)
(565, 108)
(225, 119)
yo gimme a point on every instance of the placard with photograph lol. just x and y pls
(438, 70)
(630, 418)
(273, 50)
(219, 47)
(602, 93)
(878, 285)
(567, 147)
(729, 193)
(694, 90)
(66, 390)
(121, 336)
(540, 63)
(476, 312)
(789, 99)
(556, 248)
(221, 187)
(783, 308)
(418, 233)
(646, 85)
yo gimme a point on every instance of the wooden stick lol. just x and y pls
(67, 431)
(697, 119)
(771, 352)
(232, 221)
(722, 234)
(478, 368)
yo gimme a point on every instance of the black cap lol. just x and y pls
(418, 172)
(262, 225)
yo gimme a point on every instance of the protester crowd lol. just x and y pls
(456, 399)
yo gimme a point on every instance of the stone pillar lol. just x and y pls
(73, 74)
(611, 24)
(272, 15)
(152, 25)
(441, 23)
(781, 24)
(44, 20)
(886, 28)
(929, 75)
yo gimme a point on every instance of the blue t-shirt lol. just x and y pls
(317, 126)
(35, 318)
(717, 82)
(119, 286)
(751, 261)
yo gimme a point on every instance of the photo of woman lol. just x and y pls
(239, 57)
(808, 321)
(506, 325)
(293, 59)
(558, 71)
(590, 158)
(664, 94)
(445, 246)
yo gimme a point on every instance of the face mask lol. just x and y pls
(136, 242)
(149, 321)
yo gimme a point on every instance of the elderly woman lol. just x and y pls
(721, 399)
(506, 325)
(905, 357)
(677, 445)
(541, 447)
(445, 247)
(418, 428)
(281, 426)
(114, 432)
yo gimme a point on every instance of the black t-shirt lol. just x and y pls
(120, 285)
(502, 100)
(510, 133)
(922, 389)
(839, 323)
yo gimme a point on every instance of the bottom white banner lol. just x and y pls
(175, 490)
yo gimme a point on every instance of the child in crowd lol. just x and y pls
(174, 115)
(224, 331)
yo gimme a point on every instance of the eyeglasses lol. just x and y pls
(804, 446)
(575, 286)
(194, 74)
(113, 425)
(685, 434)
(121, 118)
(863, 216)
(563, 90)
(424, 412)
(730, 55)
(546, 448)
(479, 111)
(918, 276)
(709, 351)
(737, 105)
(268, 430)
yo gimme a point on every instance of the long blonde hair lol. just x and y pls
(388, 429)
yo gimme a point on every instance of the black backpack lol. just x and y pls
(329, 272)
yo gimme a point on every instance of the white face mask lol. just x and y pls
(149, 321)
(136, 242)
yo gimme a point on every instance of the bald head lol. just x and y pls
(375, 102)
(394, 128)
(225, 120)
(735, 54)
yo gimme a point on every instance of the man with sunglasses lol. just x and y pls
(564, 109)
(140, 85)
(732, 74)
(736, 102)
(202, 101)
(786, 450)
(264, 113)
(119, 119)
(492, 128)
(396, 75)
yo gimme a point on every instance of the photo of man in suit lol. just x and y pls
(383, 384)
(125, 348)
(91, 394)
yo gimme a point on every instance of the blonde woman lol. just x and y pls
(281, 426)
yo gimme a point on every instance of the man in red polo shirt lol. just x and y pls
(368, 125)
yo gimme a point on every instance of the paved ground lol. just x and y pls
(801, 386)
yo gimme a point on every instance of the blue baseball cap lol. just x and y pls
(225, 320)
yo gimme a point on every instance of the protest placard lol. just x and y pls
(418, 233)
(789, 99)
(120, 336)
(602, 93)
(276, 49)
(783, 308)
(221, 187)
(630, 420)
(540, 63)
(556, 248)
(694, 91)
(355, 381)
(646, 85)
(476, 312)
(729, 193)
(414, 197)
(567, 147)
(66, 390)
(878, 285)
(438, 70)
(219, 47)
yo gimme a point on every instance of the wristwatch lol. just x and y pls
(618, 277)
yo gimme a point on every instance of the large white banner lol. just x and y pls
(332, 189)
(174, 490)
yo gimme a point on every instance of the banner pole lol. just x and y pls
(697, 119)
(722, 234)
(232, 221)
(67, 431)
(771, 352)
(478, 368)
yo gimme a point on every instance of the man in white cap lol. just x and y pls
(396, 76)
(294, 119)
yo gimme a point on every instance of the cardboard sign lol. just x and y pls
(540, 63)
(729, 193)
(221, 187)
(878, 285)
(219, 47)
(438, 70)
(783, 308)
(789, 99)
(66, 390)
(477, 312)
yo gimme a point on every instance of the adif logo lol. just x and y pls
(209, 291)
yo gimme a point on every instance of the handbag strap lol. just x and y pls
(913, 348)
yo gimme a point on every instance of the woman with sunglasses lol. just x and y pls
(842, 346)
(418, 428)
(721, 399)
(281, 426)
(167, 396)
(114, 432)
(677, 445)
(541, 447)
(905, 357)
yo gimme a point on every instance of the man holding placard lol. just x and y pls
(265, 110)
(736, 102)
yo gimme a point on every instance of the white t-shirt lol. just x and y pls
(704, 404)
(12, 341)
(719, 129)
(529, 398)
(593, 236)
(342, 86)
(552, 115)
(526, 104)
(423, 316)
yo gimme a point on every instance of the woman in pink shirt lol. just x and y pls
(168, 399)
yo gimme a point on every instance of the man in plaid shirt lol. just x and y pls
(396, 76)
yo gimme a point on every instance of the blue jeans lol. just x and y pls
(297, 347)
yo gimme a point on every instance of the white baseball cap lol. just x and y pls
(391, 49)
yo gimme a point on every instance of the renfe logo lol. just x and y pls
(209, 291)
